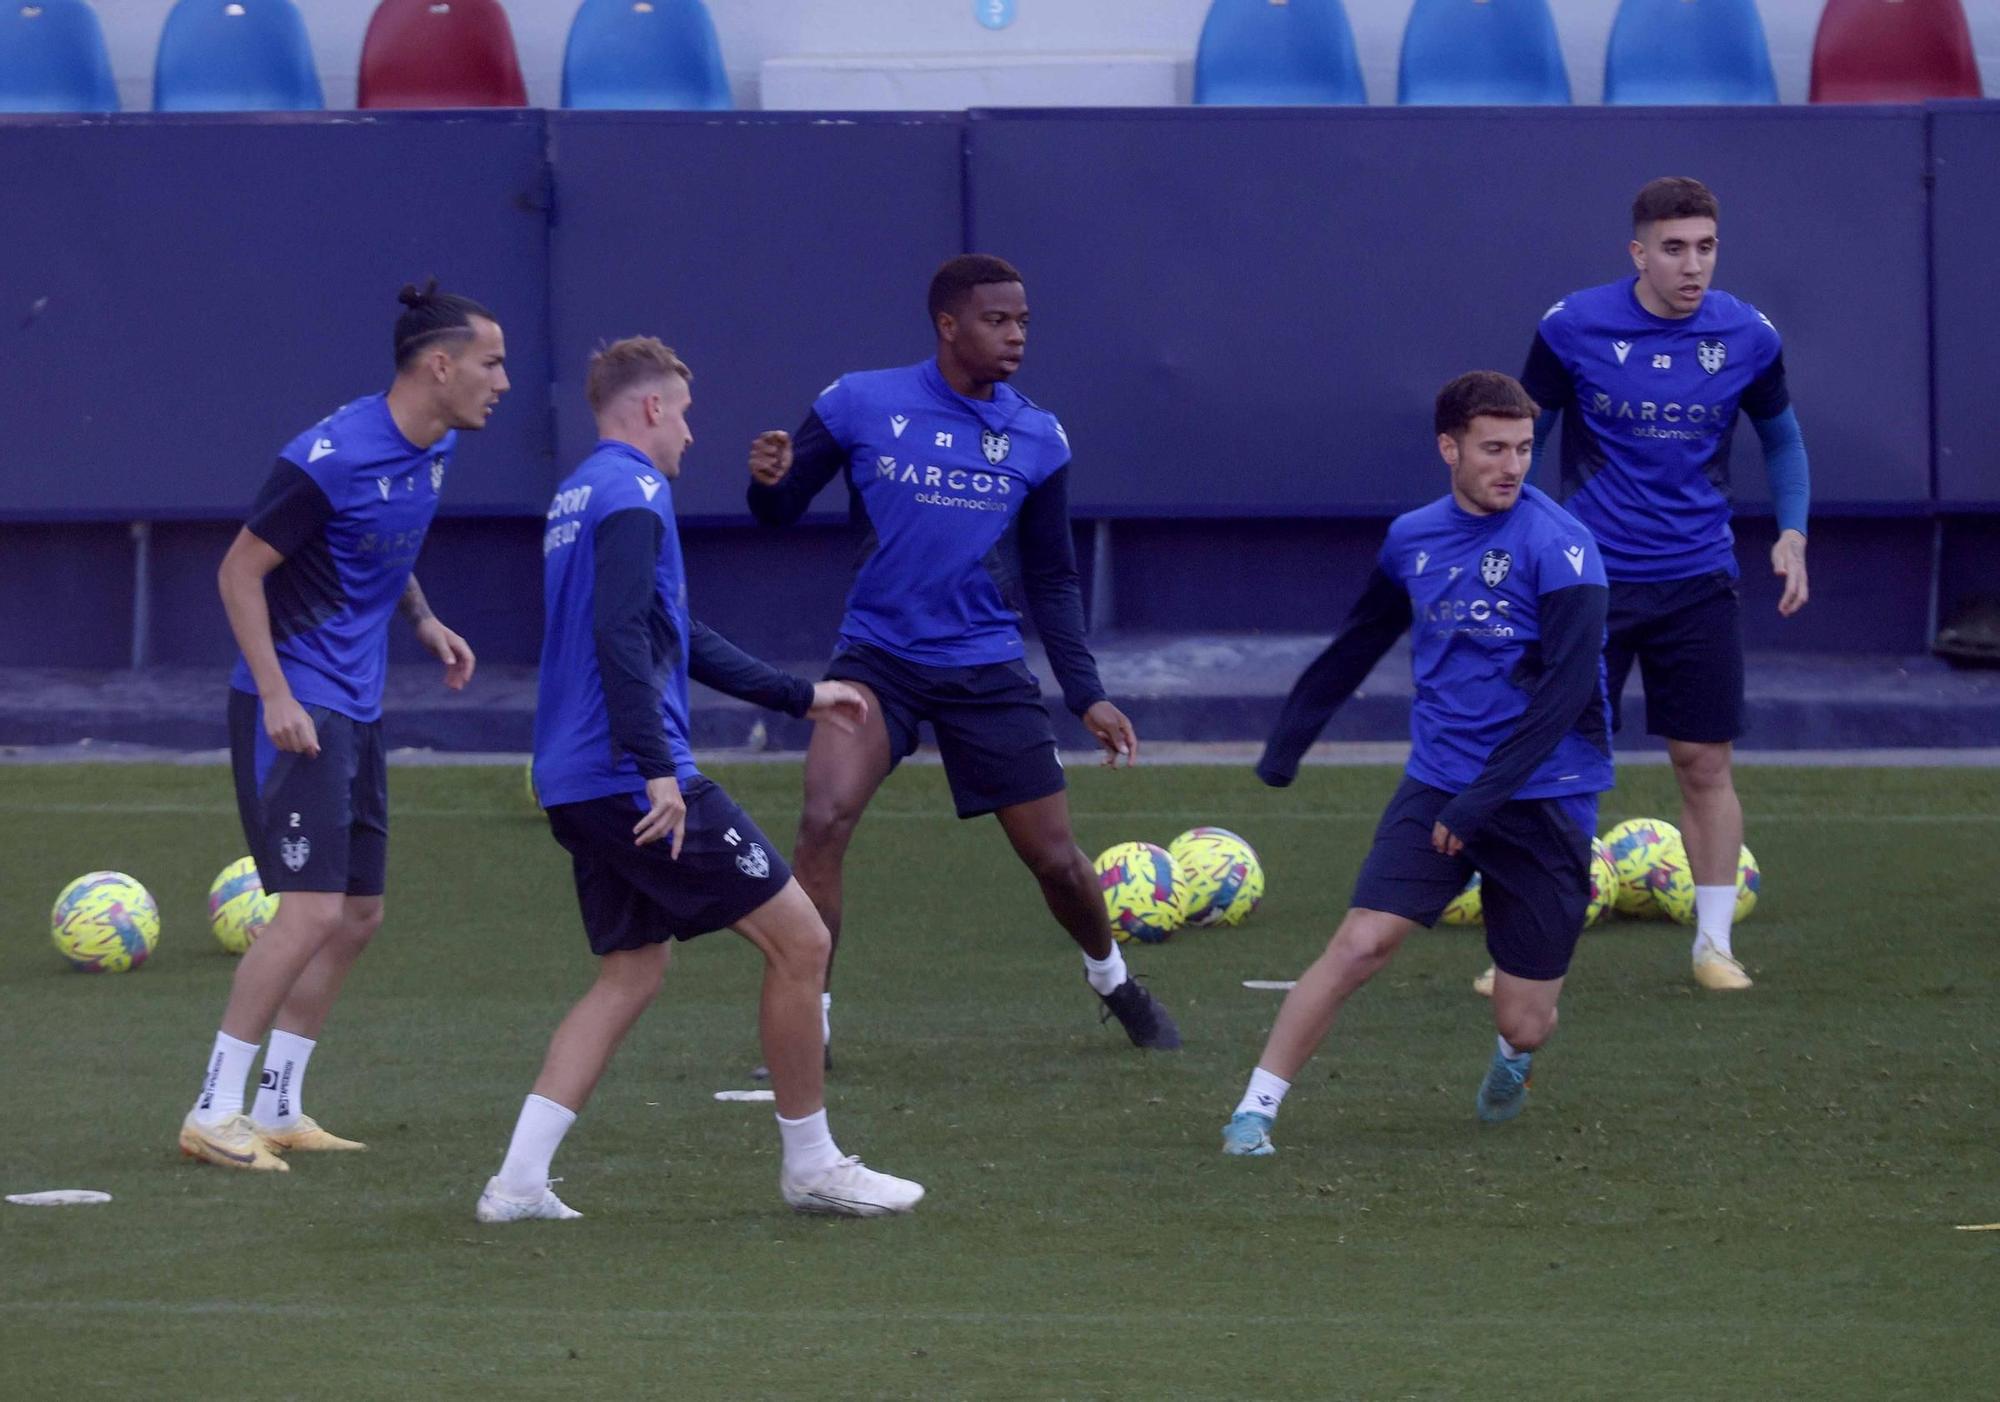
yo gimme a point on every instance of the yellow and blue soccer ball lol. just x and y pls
(1222, 880)
(105, 923)
(1636, 847)
(1748, 880)
(1142, 887)
(1603, 883)
(1672, 882)
(1467, 907)
(238, 906)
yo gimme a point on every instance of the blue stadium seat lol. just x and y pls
(1665, 52)
(1499, 53)
(52, 58)
(1277, 53)
(235, 56)
(629, 54)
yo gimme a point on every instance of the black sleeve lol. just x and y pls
(1055, 594)
(1572, 642)
(715, 661)
(1379, 617)
(290, 510)
(1768, 396)
(636, 643)
(817, 459)
(1546, 379)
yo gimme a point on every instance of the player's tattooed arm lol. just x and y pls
(436, 639)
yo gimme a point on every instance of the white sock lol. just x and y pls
(1107, 973)
(1509, 1050)
(1264, 1095)
(222, 1084)
(1714, 911)
(809, 1146)
(826, 1018)
(537, 1135)
(281, 1089)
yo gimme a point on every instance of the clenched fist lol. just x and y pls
(770, 457)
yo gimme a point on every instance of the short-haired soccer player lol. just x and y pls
(309, 585)
(1649, 374)
(946, 465)
(1509, 746)
(660, 852)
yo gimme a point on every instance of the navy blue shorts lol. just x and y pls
(993, 731)
(1687, 637)
(633, 896)
(1533, 862)
(313, 824)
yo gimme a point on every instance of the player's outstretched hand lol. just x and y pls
(770, 457)
(1113, 732)
(668, 815)
(290, 728)
(1788, 562)
(840, 705)
(450, 649)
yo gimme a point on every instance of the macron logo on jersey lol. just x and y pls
(320, 448)
(1622, 349)
(1574, 554)
(1423, 558)
(648, 484)
(897, 423)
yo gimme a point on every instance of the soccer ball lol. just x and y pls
(1466, 907)
(238, 908)
(105, 923)
(1222, 880)
(1635, 846)
(1142, 887)
(1748, 879)
(1672, 882)
(1603, 883)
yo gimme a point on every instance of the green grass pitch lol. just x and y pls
(1709, 1196)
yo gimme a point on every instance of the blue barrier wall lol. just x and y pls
(772, 252)
(1241, 317)
(1965, 203)
(182, 295)
(1258, 306)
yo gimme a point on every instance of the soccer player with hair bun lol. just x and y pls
(310, 584)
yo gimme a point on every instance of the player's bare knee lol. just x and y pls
(1058, 864)
(1703, 769)
(356, 930)
(801, 949)
(825, 828)
(1526, 1028)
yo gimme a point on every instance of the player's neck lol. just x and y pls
(955, 375)
(1650, 301)
(416, 420)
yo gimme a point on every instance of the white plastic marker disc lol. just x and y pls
(60, 1197)
(1271, 985)
(746, 1095)
(1979, 1227)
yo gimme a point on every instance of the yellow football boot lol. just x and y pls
(1715, 970)
(306, 1137)
(234, 1143)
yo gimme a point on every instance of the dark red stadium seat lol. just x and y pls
(1893, 51)
(440, 53)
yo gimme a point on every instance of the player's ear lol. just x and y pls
(1638, 255)
(1448, 449)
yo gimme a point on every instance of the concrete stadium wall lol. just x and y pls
(755, 30)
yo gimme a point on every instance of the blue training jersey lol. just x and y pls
(940, 477)
(612, 707)
(1478, 588)
(347, 505)
(1649, 406)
